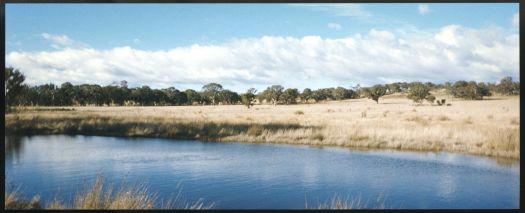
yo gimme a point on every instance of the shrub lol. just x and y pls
(318, 136)
(376, 92)
(430, 98)
(255, 130)
(418, 92)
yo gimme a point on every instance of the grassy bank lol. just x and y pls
(101, 196)
(489, 127)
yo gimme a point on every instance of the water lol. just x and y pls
(235, 175)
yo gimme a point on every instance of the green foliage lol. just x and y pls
(228, 97)
(306, 95)
(273, 94)
(376, 92)
(469, 90)
(290, 96)
(508, 87)
(211, 91)
(341, 93)
(418, 92)
(14, 80)
(248, 97)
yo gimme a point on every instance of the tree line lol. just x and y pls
(119, 94)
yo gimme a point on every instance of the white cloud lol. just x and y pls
(516, 20)
(448, 35)
(423, 9)
(453, 53)
(334, 26)
(136, 41)
(62, 41)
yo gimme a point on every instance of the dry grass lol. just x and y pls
(13, 201)
(338, 202)
(100, 196)
(462, 127)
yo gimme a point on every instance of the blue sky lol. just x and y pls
(44, 40)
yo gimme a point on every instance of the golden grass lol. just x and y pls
(100, 196)
(488, 127)
(339, 202)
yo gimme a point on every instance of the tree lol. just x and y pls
(273, 94)
(418, 92)
(13, 85)
(211, 91)
(306, 95)
(507, 87)
(376, 92)
(248, 97)
(393, 88)
(469, 90)
(193, 97)
(228, 97)
(65, 94)
(318, 95)
(341, 93)
(290, 96)
(47, 94)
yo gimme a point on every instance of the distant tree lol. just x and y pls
(47, 94)
(306, 95)
(393, 88)
(318, 95)
(228, 97)
(28, 96)
(273, 94)
(341, 93)
(376, 92)
(124, 84)
(211, 91)
(508, 87)
(193, 97)
(14, 80)
(65, 94)
(418, 92)
(290, 96)
(248, 98)
(469, 90)
(142, 95)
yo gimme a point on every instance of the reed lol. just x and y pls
(462, 127)
(101, 196)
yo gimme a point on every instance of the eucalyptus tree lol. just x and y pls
(248, 98)
(211, 91)
(306, 95)
(290, 96)
(376, 92)
(14, 80)
(273, 94)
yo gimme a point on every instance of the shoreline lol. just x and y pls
(251, 133)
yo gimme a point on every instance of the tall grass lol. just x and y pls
(338, 202)
(101, 196)
(475, 127)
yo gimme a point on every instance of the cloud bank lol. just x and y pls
(451, 53)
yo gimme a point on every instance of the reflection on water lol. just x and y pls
(237, 175)
(13, 147)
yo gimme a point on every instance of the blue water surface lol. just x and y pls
(259, 176)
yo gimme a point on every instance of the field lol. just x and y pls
(488, 127)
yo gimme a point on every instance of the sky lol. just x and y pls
(257, 45)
